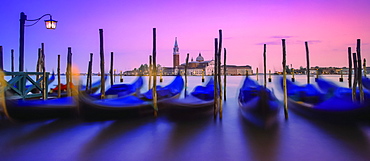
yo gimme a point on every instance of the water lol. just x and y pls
(161, 138)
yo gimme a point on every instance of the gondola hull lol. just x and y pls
(41, 109)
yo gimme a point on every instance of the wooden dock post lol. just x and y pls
(257, 74)
(225, 73)
(293, 79)
(155, 106)
(12, 61)
(364, 66)
(150, 72)
(120, 77)
(161, 76)
(359, 77)
(215, 96)
(58, 72)
(284, 81)
(1, 59)
(219, 72)
(89, 73)
(102, 73)
(270, 76)
(341, 75)
(317, 75)
(350, 67)
(111, 68)
(355, 77)
(308, 62)
(186, 74)
(264, 66)
(39, 62)
(68, 72)
(203, 75)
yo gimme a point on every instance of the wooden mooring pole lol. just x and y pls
(219, 72)
(186, 74)
(270, 76)
(225, 74)
(341, 76)
(58, 72)
(350, 67)
(150, 72)
(111, 68)
(102, 73)
(359, 77)
(12, 61)
(364, 66)
(264, 66)
(68, 75)
(354, 98)
(1, 59)
(215, 96)
(155, 106)
(284, 81)
(308, 62)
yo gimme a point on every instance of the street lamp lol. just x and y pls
(50, 24)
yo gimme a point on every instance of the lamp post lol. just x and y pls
(50, 24)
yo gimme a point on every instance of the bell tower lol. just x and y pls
(176, 54)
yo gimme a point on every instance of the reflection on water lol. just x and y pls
(166, 138)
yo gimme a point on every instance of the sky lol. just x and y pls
(329, 27)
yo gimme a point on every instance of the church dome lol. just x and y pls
(200, 58)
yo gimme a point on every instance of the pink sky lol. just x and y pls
(329, 26)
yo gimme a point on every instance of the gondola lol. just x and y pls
(122, 90)
(258, 104)
(20, 109)
(199, 102)
(333, 104)
(129, 106)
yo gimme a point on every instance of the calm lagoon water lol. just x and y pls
(161, 138)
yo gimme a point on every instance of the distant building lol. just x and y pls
(176, 55)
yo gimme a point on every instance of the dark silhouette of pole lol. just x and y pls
(308, 62)
(89, 84)
(355, 77)
(1, 58)
(155, 72)
(12, 61)
(219, 72)
(111, 68)
(22, 22)
(102, 75)
(150, 72)
(224, 74)
(68, 75)
(350, 67)
(359, 69)
(215, 96)
(284, 80)
(58, 73)
(186, 74)
(264, 66)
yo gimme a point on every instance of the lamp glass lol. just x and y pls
(51, 24)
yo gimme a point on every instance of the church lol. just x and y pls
(199, 66)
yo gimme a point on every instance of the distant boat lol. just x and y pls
(258, 104)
